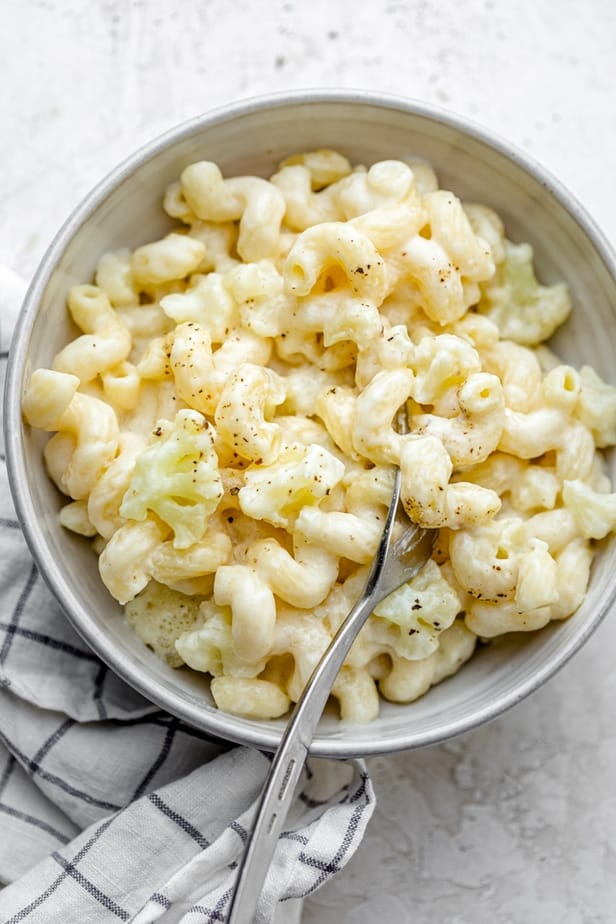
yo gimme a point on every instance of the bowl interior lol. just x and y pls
(125, 210)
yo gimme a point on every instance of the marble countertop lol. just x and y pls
(513, 822)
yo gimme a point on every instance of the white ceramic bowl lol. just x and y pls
(125, 210)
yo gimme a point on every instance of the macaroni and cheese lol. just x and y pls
(223, 427)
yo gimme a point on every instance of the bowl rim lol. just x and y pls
(219, 724)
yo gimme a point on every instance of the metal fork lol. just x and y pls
(397, 560)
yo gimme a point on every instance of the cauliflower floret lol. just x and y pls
(159, 616)
(421, 609)
(523, 310)
(596, 407)
(177, 478)
(300, 476)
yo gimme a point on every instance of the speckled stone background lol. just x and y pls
(515, 822)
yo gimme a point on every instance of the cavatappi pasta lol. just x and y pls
(223, 429)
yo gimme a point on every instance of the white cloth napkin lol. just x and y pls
(111, 809)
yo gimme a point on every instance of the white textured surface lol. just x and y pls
(514, 822)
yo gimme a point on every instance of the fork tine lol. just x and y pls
(401, 419)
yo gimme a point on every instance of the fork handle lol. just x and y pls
(277, 795)
(279, 788)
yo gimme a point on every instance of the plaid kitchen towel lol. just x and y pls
(111, 809)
